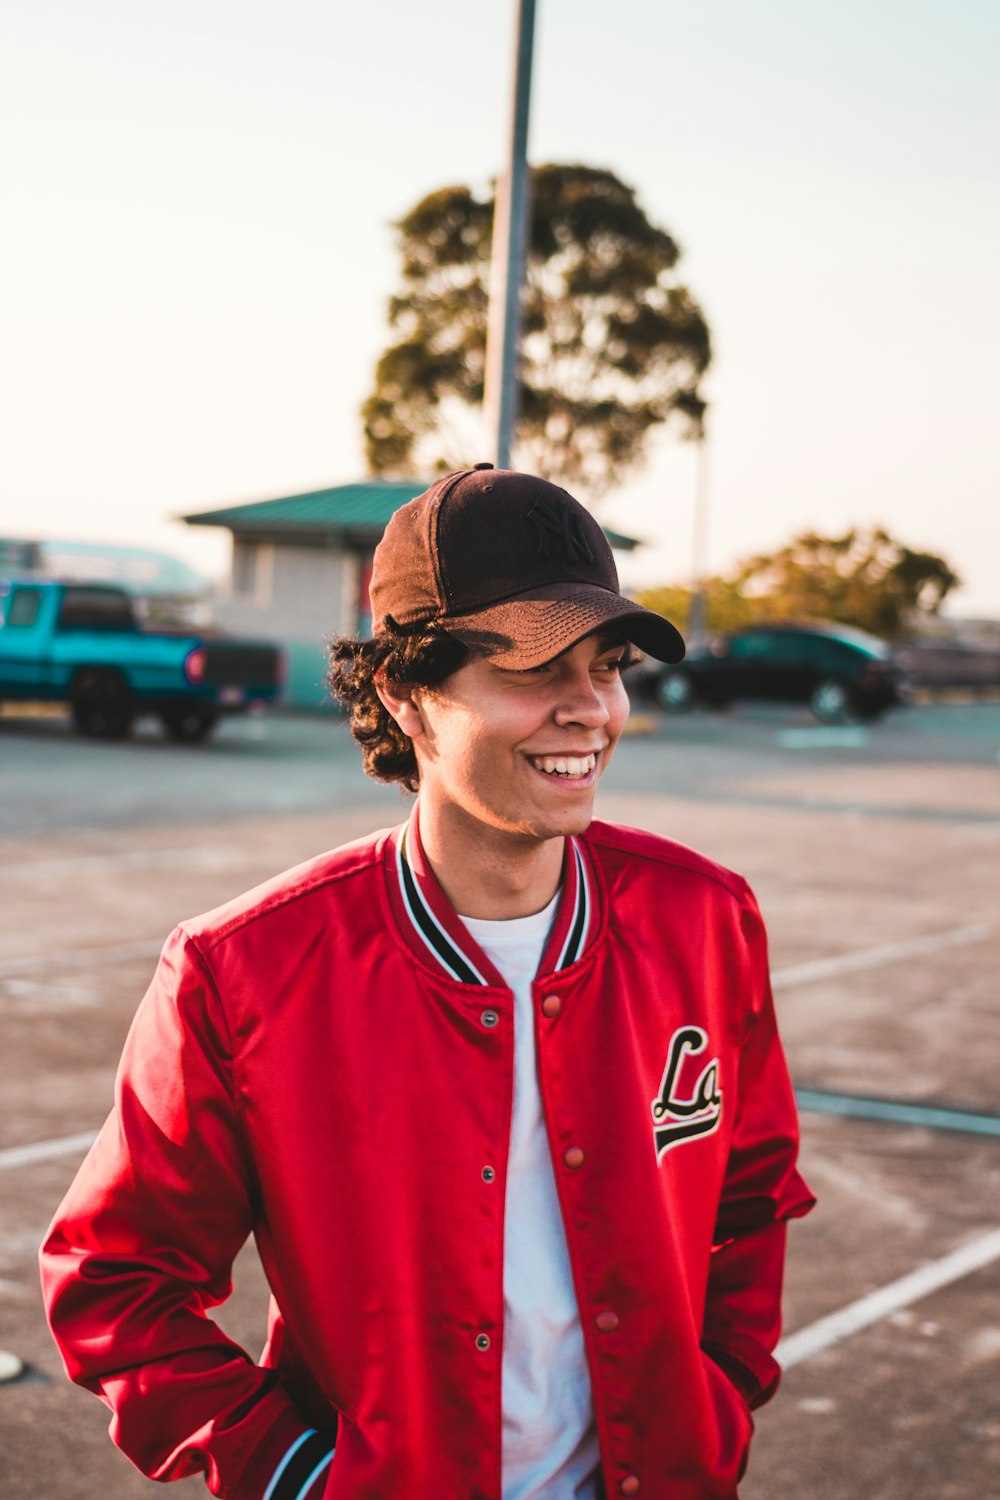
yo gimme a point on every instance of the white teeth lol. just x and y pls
(569, 766)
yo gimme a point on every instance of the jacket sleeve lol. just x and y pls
(761, 1192)
(143, 1245)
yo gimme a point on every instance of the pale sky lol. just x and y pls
(197, 249)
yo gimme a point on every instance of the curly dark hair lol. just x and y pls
(421, 657)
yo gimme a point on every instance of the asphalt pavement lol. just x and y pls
(875, 853)
(287, 763)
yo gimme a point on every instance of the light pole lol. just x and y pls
(697, 622)
(510, 225)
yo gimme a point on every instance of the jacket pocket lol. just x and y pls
(734, 1423)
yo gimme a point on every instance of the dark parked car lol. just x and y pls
(839, 671)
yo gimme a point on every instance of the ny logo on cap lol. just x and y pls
(562, 527)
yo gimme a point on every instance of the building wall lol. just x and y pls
(299, 596)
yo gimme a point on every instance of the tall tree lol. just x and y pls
(613, 344)
(864, 577)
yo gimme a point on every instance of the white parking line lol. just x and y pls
(822, 738)
(872, 958)
(784, 979)
(202, 856)
(81, 958)
(793, 1350)
(64, 1145)
(880, 1304)
(788, 978)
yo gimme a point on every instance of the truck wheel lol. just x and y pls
(102, 705)
(189, 723)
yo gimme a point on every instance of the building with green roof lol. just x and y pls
(301, 566)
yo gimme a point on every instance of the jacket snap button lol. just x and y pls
(573, 1157)
(489, 1018)
(630, 1485)
(551, 1006)
(488, 1174)
(607, 1321)
(482, 1341)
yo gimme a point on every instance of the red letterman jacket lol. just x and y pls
(327, 1063)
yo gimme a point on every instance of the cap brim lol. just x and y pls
(534, 627)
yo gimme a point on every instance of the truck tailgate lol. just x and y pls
(241, 664)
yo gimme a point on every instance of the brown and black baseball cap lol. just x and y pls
(510, 565)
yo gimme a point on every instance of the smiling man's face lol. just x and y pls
(521, 752)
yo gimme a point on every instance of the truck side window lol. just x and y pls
(22, 607)
(96, 609)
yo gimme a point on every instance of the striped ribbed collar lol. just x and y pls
(431, 924)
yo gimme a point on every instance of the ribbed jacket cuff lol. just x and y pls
(291, 1464)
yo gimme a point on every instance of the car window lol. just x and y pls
(792, 648)
(756, 647)
(96, 609)
(860, 640)
(23, 607)
(831, 656)
(789, 649)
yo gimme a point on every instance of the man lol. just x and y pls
(499, 1092)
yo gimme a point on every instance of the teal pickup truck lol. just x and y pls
(83, 644)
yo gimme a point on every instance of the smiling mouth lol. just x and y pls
(566, 767)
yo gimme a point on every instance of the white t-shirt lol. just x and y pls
(550, 1448)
